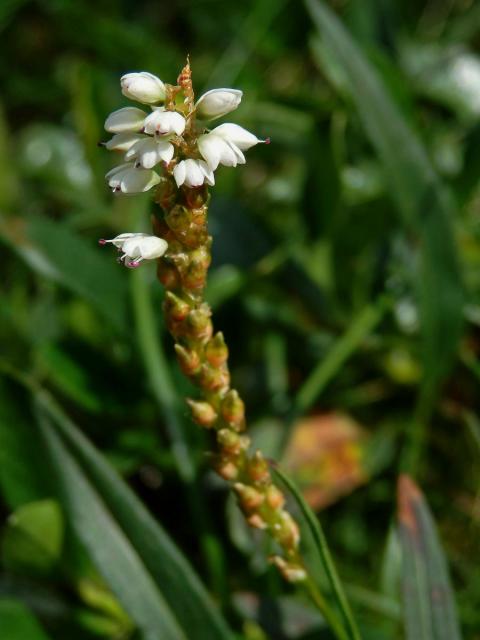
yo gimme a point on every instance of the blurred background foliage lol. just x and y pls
(345, 279)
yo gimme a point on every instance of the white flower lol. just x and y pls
(164, 123)
(217, 151)
(143, 87)
(224, 145)
(193, 173)
(123, 141)
(149, 152)
(217, 103)
(137, 247)
(128, 179)
(126, 119)
(237, 136)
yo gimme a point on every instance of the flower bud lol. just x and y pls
(291, 571)
(143, 87)
(286, 531)
(217, 103)
(203, 413)
(198, 323)
(248, 497)
(226, 469)
(257, 468)
(175, 307)
(213, 379)
(128, 119)
(256, 521)
(188, 361)
(233, 410)
(216, 351)
(275, 498)
(229, 441)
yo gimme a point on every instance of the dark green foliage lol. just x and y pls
(345, 280)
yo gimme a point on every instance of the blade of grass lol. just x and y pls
(429, 606)
(310, 524)
(420, 197)
(108, 546)
(172, 573)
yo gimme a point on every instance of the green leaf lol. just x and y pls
(416, 190)
(21, 479)
(108, 546)
(17, 623)
(33, 537)
(172, 573)
(429, 606)
(58, 253)
(317, 549)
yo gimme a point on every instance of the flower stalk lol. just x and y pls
(182, 223)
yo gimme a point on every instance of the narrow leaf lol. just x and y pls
(108, 546)
(17, 623)
(172, 573)
(312, 535)
(416, 190)
(429, 606)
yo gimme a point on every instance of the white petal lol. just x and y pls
(180, 173)
(194, 174)
(131, 247)
(150, 152)
(209, 178)
(217, 103)
(239, 155)
(138, 180)
(143, 87)
(164, 123)
(123, 141)
(126, 119)
(211, 149)
(152, 247)
(237, 135)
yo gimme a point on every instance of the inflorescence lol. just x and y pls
(171, 149)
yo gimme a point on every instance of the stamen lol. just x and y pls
(133, 264)
(102, 241)
(267, 141)
(101, 144)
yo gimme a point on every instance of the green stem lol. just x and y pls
(163, 390)
(325, 609)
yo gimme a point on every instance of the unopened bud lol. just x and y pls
(195, 274)
(203, 413)
(198, 323)
(168, 275)
(257, 521)
(248, 497)
(178, 218)
(175, 307)
(189, 361)
(275, 498)
(229, 441)
(257, 468)
(233, 410)
(213, 379)
(291, 571)
(226, 469)
(286, 531)
(216, 351)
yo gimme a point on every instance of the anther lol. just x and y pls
(102, 241)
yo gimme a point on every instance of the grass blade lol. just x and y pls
(178, 582)
(311, 530)
(416, 190)
(108, 546)
(17, 623)
(429, 606)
